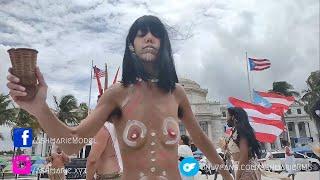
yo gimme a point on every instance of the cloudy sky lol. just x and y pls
(209, 39)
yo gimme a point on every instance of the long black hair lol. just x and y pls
(185, 139)
(132, 66)
(244, 130)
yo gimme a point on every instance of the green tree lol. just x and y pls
(82, 111)
(284, 88)
(67, 110)
(312, 95)
(7, 110)
(26, 120)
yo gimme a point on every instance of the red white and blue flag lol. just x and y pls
(275, 101)
(98, 72)
(267, 124)
(259, 64)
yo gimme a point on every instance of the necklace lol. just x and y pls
(153, 80)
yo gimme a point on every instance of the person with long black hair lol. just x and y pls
(145, 108)
(243, 145)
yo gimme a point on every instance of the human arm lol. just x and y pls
(52, 125)
(244, 156)
(97, 148)
(66, 159)
(197, 135)
(49, 159)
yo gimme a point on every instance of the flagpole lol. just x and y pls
(249, 85)
(90, 87)
(106, 77)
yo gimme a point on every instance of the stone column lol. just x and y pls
(268, 146)
(44, 144)
(278, 143)
(314, 132)
(210, 131)
(83, 151)
(297, 130)
(307, 129)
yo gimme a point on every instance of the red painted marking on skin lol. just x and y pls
(134, 103)
(134, 134)
(171, 132)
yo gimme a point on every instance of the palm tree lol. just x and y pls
(25, 120)
(68, 112)
(67, 109)
(284, 88)
(312, 96)
(82, 111)
(7, 113)
(16, 117)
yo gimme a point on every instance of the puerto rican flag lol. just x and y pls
(259, 64)
(267, 124)
(276, 101)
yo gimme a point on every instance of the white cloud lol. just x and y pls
(69, 34)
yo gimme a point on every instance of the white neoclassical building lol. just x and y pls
(212, 118)
(207, 113)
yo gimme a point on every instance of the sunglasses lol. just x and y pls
(156, 32)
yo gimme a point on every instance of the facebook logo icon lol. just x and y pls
(22, 137)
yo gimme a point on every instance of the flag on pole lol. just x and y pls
(98, 72)
(257, 99)
(276, 101)
(267, 124)
(116, 77)
(259, 64)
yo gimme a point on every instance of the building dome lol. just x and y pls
(187, 83)
(193, 90)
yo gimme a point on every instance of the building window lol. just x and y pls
(182, 129)
(289, 111)
(87, 151)
(204, 126)
(33, 151)
(291, 129)
(224, 114)
(299, 111)
(290, 126)
(302, 129)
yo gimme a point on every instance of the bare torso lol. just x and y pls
(148, 132)
(108, 162)
(59, 160)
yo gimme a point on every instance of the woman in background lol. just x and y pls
(243, 145)
(289, 160)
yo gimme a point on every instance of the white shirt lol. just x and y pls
(184, 151)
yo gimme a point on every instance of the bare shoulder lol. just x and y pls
(179, 93)
(113, 94)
